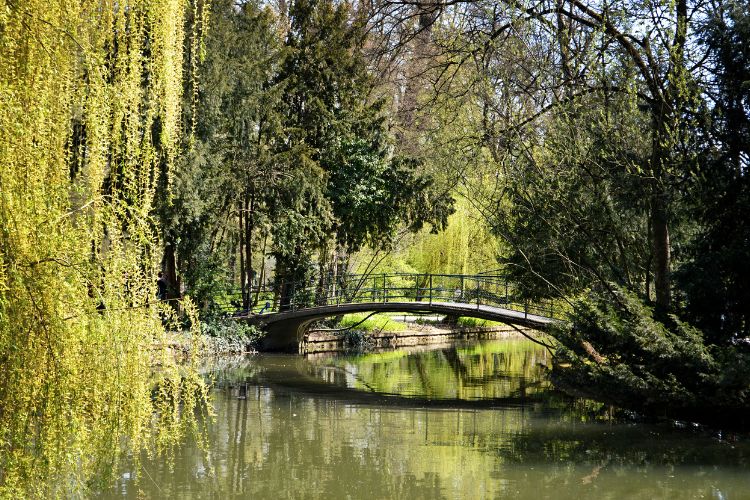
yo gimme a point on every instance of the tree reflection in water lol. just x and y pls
(338, 428)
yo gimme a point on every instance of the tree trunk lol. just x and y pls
(249, 228)
(650, 259)
(661, 251)
(243, 273)
(262, 273)
(659, 210)
(170, 273)
(563, 42)
(248, 208)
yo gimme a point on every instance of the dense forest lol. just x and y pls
(598, 153)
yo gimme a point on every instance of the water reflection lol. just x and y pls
(504, 369)
(410, 425)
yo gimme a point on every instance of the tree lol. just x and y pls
(323, 77)
(347, 188)
(556, 56)
(89, 115)
(211, 223)
(715, 279)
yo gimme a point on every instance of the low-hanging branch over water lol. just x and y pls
(90, 118)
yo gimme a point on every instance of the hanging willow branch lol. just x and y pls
(90, 123)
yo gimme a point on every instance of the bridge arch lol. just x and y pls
(285, 330)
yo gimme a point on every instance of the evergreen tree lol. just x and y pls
(716, 277)
(214, 218)
(346, 189)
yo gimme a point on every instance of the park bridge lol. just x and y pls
(286, 310)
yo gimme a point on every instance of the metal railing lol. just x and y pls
(477, 290)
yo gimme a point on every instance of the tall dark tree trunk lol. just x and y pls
(659, 210)
(170, 272)
(262, 272)
(243, 273)
(662, 253)
(249, 226)
(650, 258)
(563, 41)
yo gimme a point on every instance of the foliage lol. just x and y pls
(574, 215)
(372, 196)
(571, 110)
(714, 279)
(229, 328)
(618, 352)
(90, 99)
(323, 77)
(289, 156)
(231, 333)
(348, 189)
(228, 156)
(466, 245)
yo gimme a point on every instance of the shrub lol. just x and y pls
(617, 351)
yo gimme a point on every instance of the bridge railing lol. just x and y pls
(488, 290)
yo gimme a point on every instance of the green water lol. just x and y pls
(480, 421)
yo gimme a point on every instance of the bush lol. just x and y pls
(232, 331)
(617, 351)
(476, 322)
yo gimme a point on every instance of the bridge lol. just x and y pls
(286, 310)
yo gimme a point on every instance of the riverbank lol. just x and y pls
(217, 339)
(227, 341)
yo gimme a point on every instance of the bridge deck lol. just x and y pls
(492, 313)
(486, 296)
(287, 328)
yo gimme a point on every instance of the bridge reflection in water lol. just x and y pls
(470, 421)
(285, 310)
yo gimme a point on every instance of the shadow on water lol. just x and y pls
(471, 421)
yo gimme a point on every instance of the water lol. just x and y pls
(480, 421)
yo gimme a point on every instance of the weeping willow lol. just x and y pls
(90, 122)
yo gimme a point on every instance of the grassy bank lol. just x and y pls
(476, 322)
(375, 323)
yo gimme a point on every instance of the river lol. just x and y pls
(473, 421)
